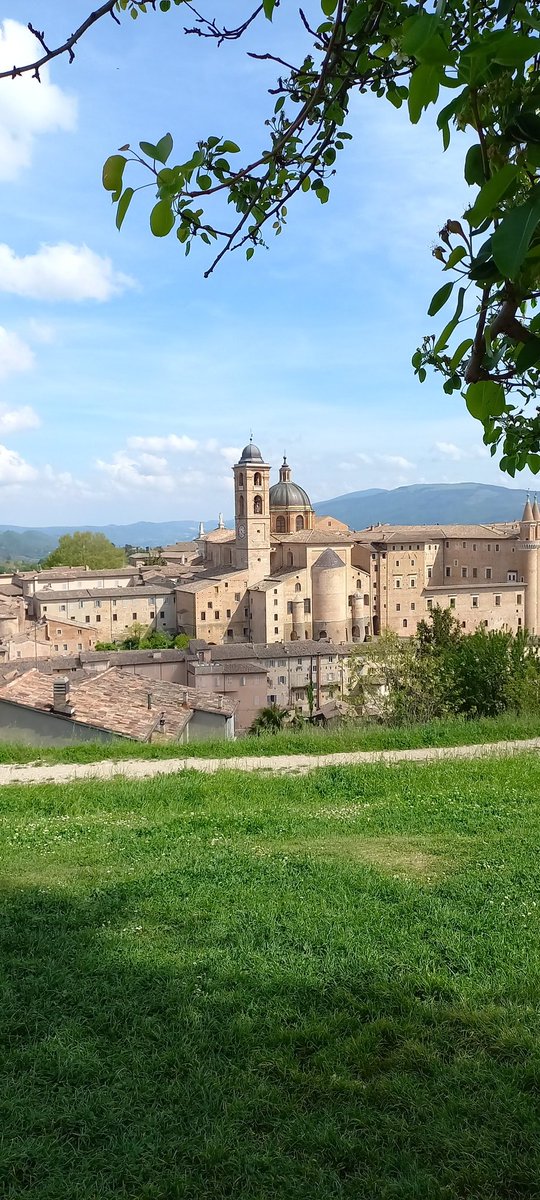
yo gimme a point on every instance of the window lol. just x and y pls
(245, 632)
(245, 611)
(228, 612)
(474, 545)
(210, 604)
(115, 616)
(114, 603)
(276, 630)
(447, 544)
(237, 595)
(489, 545)
(299, 661)
(475, 572)
(429, 572)
(240, 480)
(240, 506)
(497, 601)
(97, 603)
(98, 619)
(134, 616)
(226, 585)
(488, 572)
(511, 576)
(56, 646)
(398, 607)
(257, 505)
(413, 562)
(475, 601)
(429, 603)
(448, 572)
(519, 598)
(152, 612)
(271, 699)
(412, 582)
(497, 547)
(81, 603)
(397, 562)
(397, 583)
(216, 615)
(79, 645)
(366, 598)
(452, 601)
(230, 633)
(58, 630)
(307, 605)
(87, 619)
(519, 622)
(289, 606)
(464, 572)
(298, 587)
(413, 606)
(280, 525)
(404, 622)
(257, 479)
(418, 545)
(455, 562)
(65, 645)
(281, 679)
(299, 522)
(203, 616)
(464, 544)
(62, 608)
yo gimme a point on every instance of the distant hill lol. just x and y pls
(418, 504)
(427, 504)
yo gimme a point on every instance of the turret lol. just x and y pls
(528, 544)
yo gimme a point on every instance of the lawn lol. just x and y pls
(452, 731)
(261, 988)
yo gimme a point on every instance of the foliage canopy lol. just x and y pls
(474, 65)
(92, 550)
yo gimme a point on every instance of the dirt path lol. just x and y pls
(282, 764)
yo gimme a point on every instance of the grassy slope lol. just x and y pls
(273, 989)
(310, 740)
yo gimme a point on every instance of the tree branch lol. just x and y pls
(65, 48)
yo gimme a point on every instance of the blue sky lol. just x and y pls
(128, 382)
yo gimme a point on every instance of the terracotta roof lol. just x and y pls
(260, 650)
(431, 533)
(229, 668)
(316, 537)
(74, 572)
(219, 535)
(117, 701)
(129, 593)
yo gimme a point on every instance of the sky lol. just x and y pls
(128, 382)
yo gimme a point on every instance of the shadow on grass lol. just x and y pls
(130, 1073)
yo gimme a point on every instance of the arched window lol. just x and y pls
(240, 480)
(240, 506)
(299, 522)
(298, 587)
(280, 525)
(290, 558)
(359, 585)
(257, 505)
(257, 480)
(323, 635)
(356, 631)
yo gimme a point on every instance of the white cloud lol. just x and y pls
(396, 460)
(457, 453)
(231, 454)
(14, 469)
(61, 272)
(170, 442)
(126, 472)
(15, 354)
(27, 108)
(14, 419)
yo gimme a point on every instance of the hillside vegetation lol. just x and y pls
(273, 989)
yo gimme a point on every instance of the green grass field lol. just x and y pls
(246, 988)
(309, 740)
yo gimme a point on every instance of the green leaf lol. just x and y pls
(163, 148)
(250, 252)
(148, 148)
(417, 32)
(474, 165)
(533, 463)
(512, 49)
(491, 193)
(161, 218)
(123, 205)
(454, 257)
(231, 147)
(328, 7)
(323, 194)
(423, 90)
(449, 329)
(356, 19)
(306, 183)
(529, 355)
(113, 171)
(485, 399)
(511, 240)
(440, 298)
(204, 182)
(460, 353)
(268, 8)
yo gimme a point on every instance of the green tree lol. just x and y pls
(392, 682)
(269, 720)
(439, 632)
(92, 550)
(474, 65)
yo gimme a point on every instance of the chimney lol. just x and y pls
(61, 703)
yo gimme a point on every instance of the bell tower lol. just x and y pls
(252, 512)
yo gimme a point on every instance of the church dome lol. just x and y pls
(251, 453)
(287, 494)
